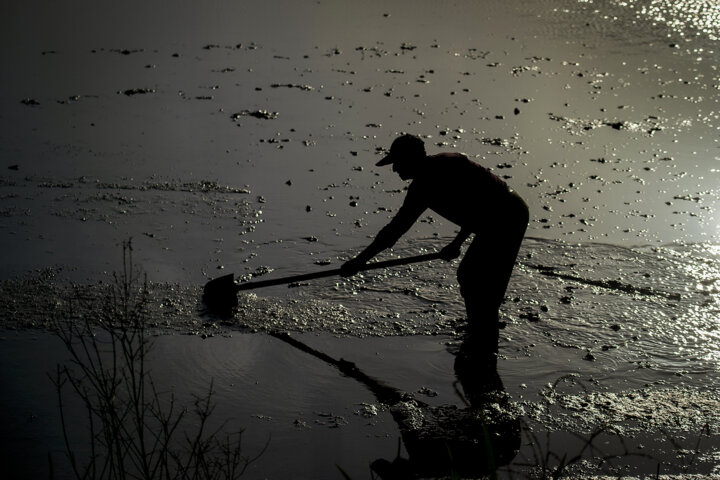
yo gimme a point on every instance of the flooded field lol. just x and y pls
(242, 138)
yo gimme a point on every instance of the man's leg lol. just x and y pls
(478, 278)
(484, 275)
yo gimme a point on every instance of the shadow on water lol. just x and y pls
(442, 440)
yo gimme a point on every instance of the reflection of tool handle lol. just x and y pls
(384, 393)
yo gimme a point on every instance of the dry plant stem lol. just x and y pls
(134, 429)
(704, 432)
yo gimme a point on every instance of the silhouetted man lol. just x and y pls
(476, 200)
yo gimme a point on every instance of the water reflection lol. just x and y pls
(470, 441)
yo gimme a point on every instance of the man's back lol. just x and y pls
(459, 189)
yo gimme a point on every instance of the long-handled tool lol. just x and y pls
(221, 293)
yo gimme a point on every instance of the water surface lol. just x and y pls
(242, 138)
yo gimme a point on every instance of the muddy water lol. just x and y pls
(242, 138)
(596, 337)
(307, 416)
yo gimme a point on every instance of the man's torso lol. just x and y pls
(460, 190)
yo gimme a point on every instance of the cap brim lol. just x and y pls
(387, 160)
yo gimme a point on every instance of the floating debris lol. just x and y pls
(649, 125)
(496, 142)
(262, 114)
(138, 91)
(126, 51)
(367, 410)
(428, 392)
(204, 186)
(293, 85)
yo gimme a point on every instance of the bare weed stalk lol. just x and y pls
(133, 429)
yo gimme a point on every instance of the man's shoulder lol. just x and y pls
(451, 161)
(449, 156)
(456, 166)
(453, 158)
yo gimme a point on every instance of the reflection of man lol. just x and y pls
(477, 201)
(471, 442)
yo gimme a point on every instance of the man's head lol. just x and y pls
(405, 155)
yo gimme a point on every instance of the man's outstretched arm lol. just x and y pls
(386, 238)
(452, 250)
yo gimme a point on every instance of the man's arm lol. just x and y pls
(386, 237)
(452, 250)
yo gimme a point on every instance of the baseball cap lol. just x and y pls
(401, 147)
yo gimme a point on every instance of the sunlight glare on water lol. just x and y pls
(707, 319)
(686, 16)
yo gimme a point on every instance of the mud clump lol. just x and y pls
(306, 88)
(40, 300)
(681, 408)
(138, 91)
(262, 114)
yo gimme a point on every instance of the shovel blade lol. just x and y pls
(220, 294)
